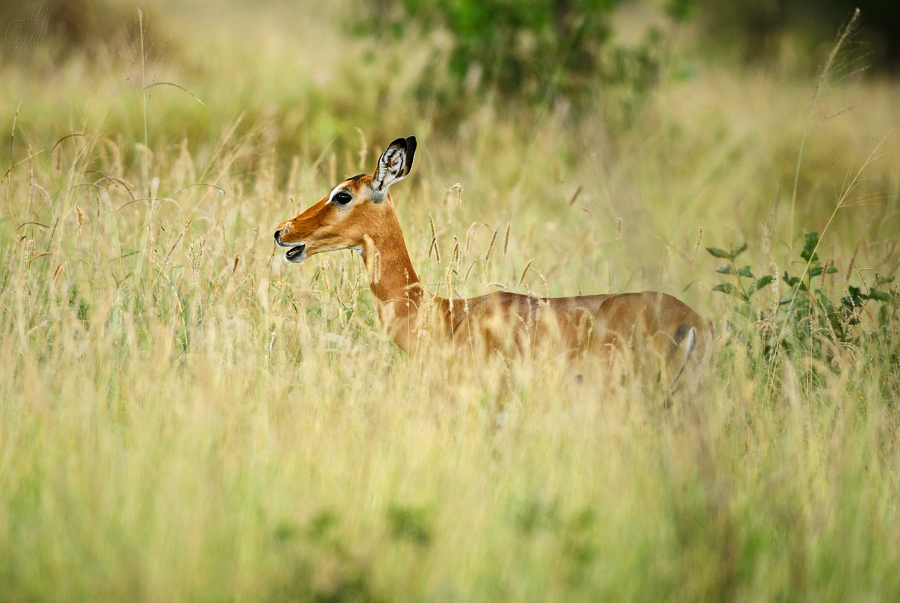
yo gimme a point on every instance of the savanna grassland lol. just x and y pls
(186, 417)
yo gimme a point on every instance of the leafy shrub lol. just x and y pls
(806, 316)
(534, 48)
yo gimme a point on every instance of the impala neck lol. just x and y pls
(392, 278)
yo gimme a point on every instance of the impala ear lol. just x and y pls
(395, 163)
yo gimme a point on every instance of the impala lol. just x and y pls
(359, 214)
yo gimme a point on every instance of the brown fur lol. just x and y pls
(636, 323)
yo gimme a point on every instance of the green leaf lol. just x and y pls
(808, 253)
(745, 271)
(726, 269)
(855, 299)
(824, 302)
(794, 281)
(762, 282)
(731, 290)
(831, 270)
(884, 281)
(719, 253)
(817, 271)
(884, 316)
(882, 296)
(724, 288)
(727, 255)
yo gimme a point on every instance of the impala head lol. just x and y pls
(354, 209)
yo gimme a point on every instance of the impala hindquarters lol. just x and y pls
(649, 331)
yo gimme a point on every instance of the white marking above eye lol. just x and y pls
(336, 191)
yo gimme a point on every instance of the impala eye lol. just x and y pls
(341, 198)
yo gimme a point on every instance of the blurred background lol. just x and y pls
(325, 65)
(300, 77)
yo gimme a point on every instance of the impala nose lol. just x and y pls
(278, 236)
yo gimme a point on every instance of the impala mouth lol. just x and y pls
(295, 254)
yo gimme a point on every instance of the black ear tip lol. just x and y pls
(407, 144)
(410, 151)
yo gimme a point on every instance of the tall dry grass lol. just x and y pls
(222, 425)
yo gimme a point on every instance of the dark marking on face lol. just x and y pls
(355, 178)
